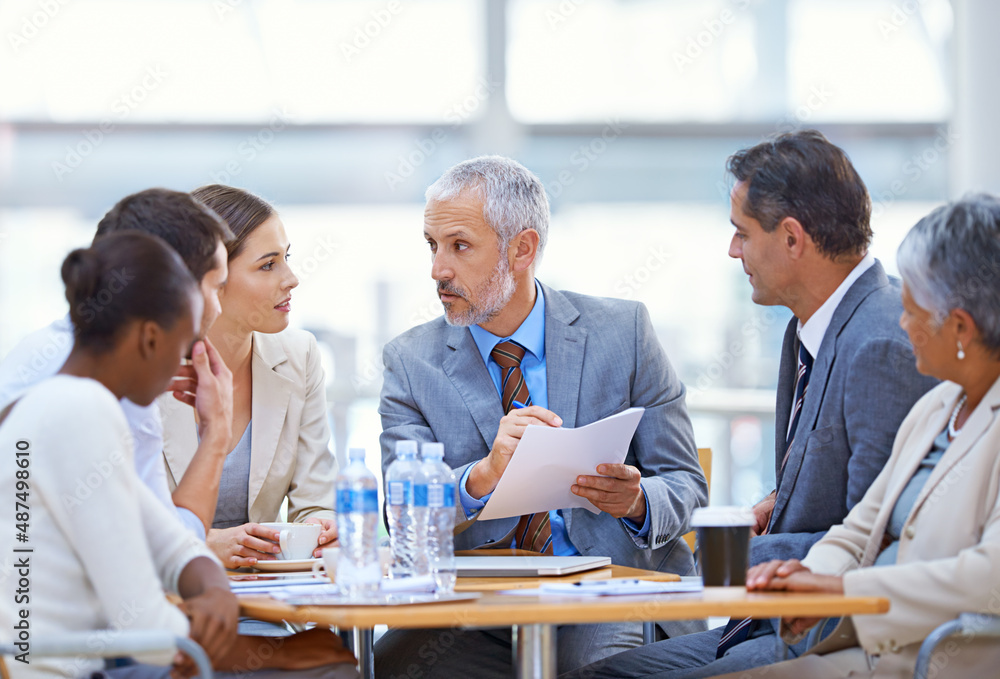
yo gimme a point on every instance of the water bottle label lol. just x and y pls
(400, 493)
(441, 495)
(362, 501)
(420, 495)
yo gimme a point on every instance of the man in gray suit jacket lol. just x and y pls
(580, 359)
(846, 381)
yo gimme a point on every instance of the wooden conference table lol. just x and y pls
(533, 619)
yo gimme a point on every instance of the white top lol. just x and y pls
(104, 548)
(40, 355)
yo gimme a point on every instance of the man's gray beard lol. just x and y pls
(493, 296)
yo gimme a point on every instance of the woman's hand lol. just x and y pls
(762, 575)
(327, 538)
(212, 610)
(792, 576)
(243, 546)
(214, 616)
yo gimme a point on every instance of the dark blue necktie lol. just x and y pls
(738, 631)
(801, 382)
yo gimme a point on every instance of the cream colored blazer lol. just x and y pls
(949, 550)
(289, 445)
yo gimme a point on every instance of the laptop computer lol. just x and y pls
(525, 566)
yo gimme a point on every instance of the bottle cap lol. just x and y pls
(433, 451)
(356, 454)
(406, 449)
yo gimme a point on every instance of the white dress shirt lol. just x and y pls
(40, 355)
(811, 332)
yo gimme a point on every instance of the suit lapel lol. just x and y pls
(786, 392)
(464, 366)
(271, 394)
(975, 426)
(180, 435)
(871, 280)
(922, 441)
(565, 345)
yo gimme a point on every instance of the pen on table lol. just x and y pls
(605, 583)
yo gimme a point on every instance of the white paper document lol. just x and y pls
(282, 590)
(547, 461)
(620, 587)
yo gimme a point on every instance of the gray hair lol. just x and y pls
(513, 197)
(951, 260)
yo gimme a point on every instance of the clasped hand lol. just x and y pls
(213, 617)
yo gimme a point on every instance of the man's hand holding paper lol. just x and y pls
(485, 475)
(549, 470)
(616, 491)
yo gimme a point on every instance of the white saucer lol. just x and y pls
(286, 565)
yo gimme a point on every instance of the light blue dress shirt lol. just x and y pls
(531, 336)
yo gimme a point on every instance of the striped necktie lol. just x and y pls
(801, 382)
(533, 531)
(738, 631)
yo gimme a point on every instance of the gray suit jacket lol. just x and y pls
(601, 358)
(863, 383)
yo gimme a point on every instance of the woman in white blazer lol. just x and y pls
(927, 533)
(280, 431)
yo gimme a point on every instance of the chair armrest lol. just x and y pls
(118, 643)
(981, 624)
(969, 624)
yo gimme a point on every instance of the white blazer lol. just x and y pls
(289, 444)
(949, 549)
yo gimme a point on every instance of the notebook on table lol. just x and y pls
(525, 566)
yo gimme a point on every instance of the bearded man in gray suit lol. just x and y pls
(847, 376)
(512, 352)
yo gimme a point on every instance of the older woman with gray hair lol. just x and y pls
(927, 533)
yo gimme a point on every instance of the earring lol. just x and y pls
(961, 351)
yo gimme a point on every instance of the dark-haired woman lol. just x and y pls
(280, 432)
(103, 548)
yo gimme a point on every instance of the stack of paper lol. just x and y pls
(619, 587)
(284, 588)
(310, 586)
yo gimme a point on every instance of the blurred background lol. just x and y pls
(341, 112)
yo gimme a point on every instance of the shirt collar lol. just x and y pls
(530, 334)
(811, 333)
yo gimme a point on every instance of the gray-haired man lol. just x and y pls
(508, 341)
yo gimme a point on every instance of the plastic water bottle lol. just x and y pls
(440, 480)
(406, 520)
(358, 570)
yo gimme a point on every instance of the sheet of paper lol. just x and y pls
(285, 589)
(547, 461)
(609, 588)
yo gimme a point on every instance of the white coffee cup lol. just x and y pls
(332, 554)
(297, 540)
(328, 562)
